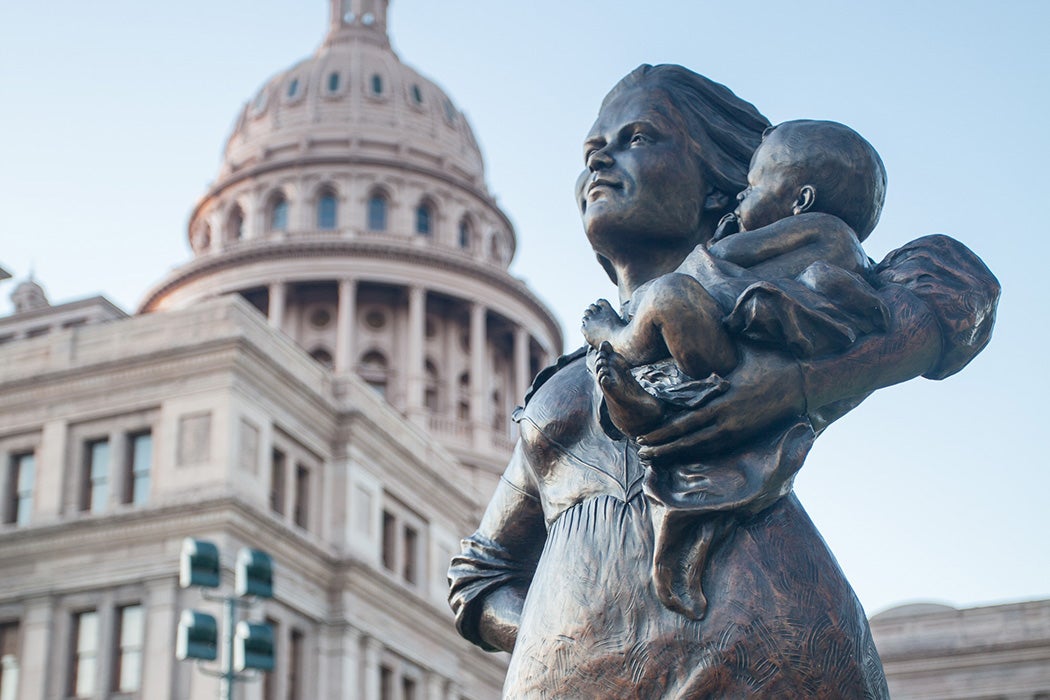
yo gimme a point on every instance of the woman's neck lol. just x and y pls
(635, 268)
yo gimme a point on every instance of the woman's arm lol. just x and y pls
(768, 387)
(490, 577)
(941, 300)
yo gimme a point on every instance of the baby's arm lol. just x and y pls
(783, 249)
(787, 247)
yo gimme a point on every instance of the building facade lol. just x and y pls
(329, 379)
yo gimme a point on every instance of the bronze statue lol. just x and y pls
(644, 541)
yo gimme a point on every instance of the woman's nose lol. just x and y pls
(599, 160)
(743, 193)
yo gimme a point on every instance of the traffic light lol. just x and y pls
(253, 647)
(198, 636)
(199, 564)
(254, 574)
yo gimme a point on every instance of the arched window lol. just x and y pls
(377, 207)
(377, 84)
(235, 224)
(463, 406)
(278, 213)
(494, 249)
(424, 219)
(333, 82)
(464, 234)
(373, 369)
(431, 397)
(327, 210)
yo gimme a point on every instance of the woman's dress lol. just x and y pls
(572, 523)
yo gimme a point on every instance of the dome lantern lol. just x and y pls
(357, 19)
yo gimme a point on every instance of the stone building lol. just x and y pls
(329, 379)
(936, 652)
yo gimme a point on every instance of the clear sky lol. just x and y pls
(113, 117)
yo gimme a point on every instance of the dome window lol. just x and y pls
(368, 19)
(373, 369)
(417, 94)
(450, 112)
(260, 102)
(278, 214)
(323, 357)
(293, 88)
(333, 82)
(235, 225)
(424, 219)
(377, 207)
(377, 84)
(464, 234)
(327, 210)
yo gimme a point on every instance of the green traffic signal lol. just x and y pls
(198, 636)
(254, 574)
(199, 564)
(253, 647)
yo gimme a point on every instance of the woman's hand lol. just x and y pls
(765, 389)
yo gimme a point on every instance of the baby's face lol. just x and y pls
(771, 190)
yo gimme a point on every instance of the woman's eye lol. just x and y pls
(639, 139)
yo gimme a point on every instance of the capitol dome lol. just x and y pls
(351, 209)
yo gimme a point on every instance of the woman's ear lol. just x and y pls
(807, 195)
(716, 200)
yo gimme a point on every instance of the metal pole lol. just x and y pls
(228, 676)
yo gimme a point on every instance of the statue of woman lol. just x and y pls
(681, 564)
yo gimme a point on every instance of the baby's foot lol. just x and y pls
(631, 408)
(600, 322)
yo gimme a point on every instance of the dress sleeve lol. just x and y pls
(502, 553)
(959, 289)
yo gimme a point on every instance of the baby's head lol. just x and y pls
(816, 166)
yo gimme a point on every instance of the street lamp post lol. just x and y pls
(246, 645)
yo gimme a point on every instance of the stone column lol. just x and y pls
(414, 374)
(161, 614)
(373, 649)
(522, 376)
(39, 676)
(435, 686)
(478, 379)
(344, 326)
(278, 293)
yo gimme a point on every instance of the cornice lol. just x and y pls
(257, 251)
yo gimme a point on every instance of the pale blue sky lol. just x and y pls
(113, 116)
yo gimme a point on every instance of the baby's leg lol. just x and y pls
(631, 408)
(679, 314)
(601, 323)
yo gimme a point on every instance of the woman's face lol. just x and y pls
(642, 185)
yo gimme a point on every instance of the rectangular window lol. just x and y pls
(389, 541)
(83, 662)
(21, 477)
(94, 492)
(269, 684)
(277, 482)
(127, 655)
(295, 666)
(302, 496)
(411, 554)
(408, 688)
(140, 465)
(8, 660)
(386, 683)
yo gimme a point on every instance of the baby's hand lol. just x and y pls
(600, 322)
